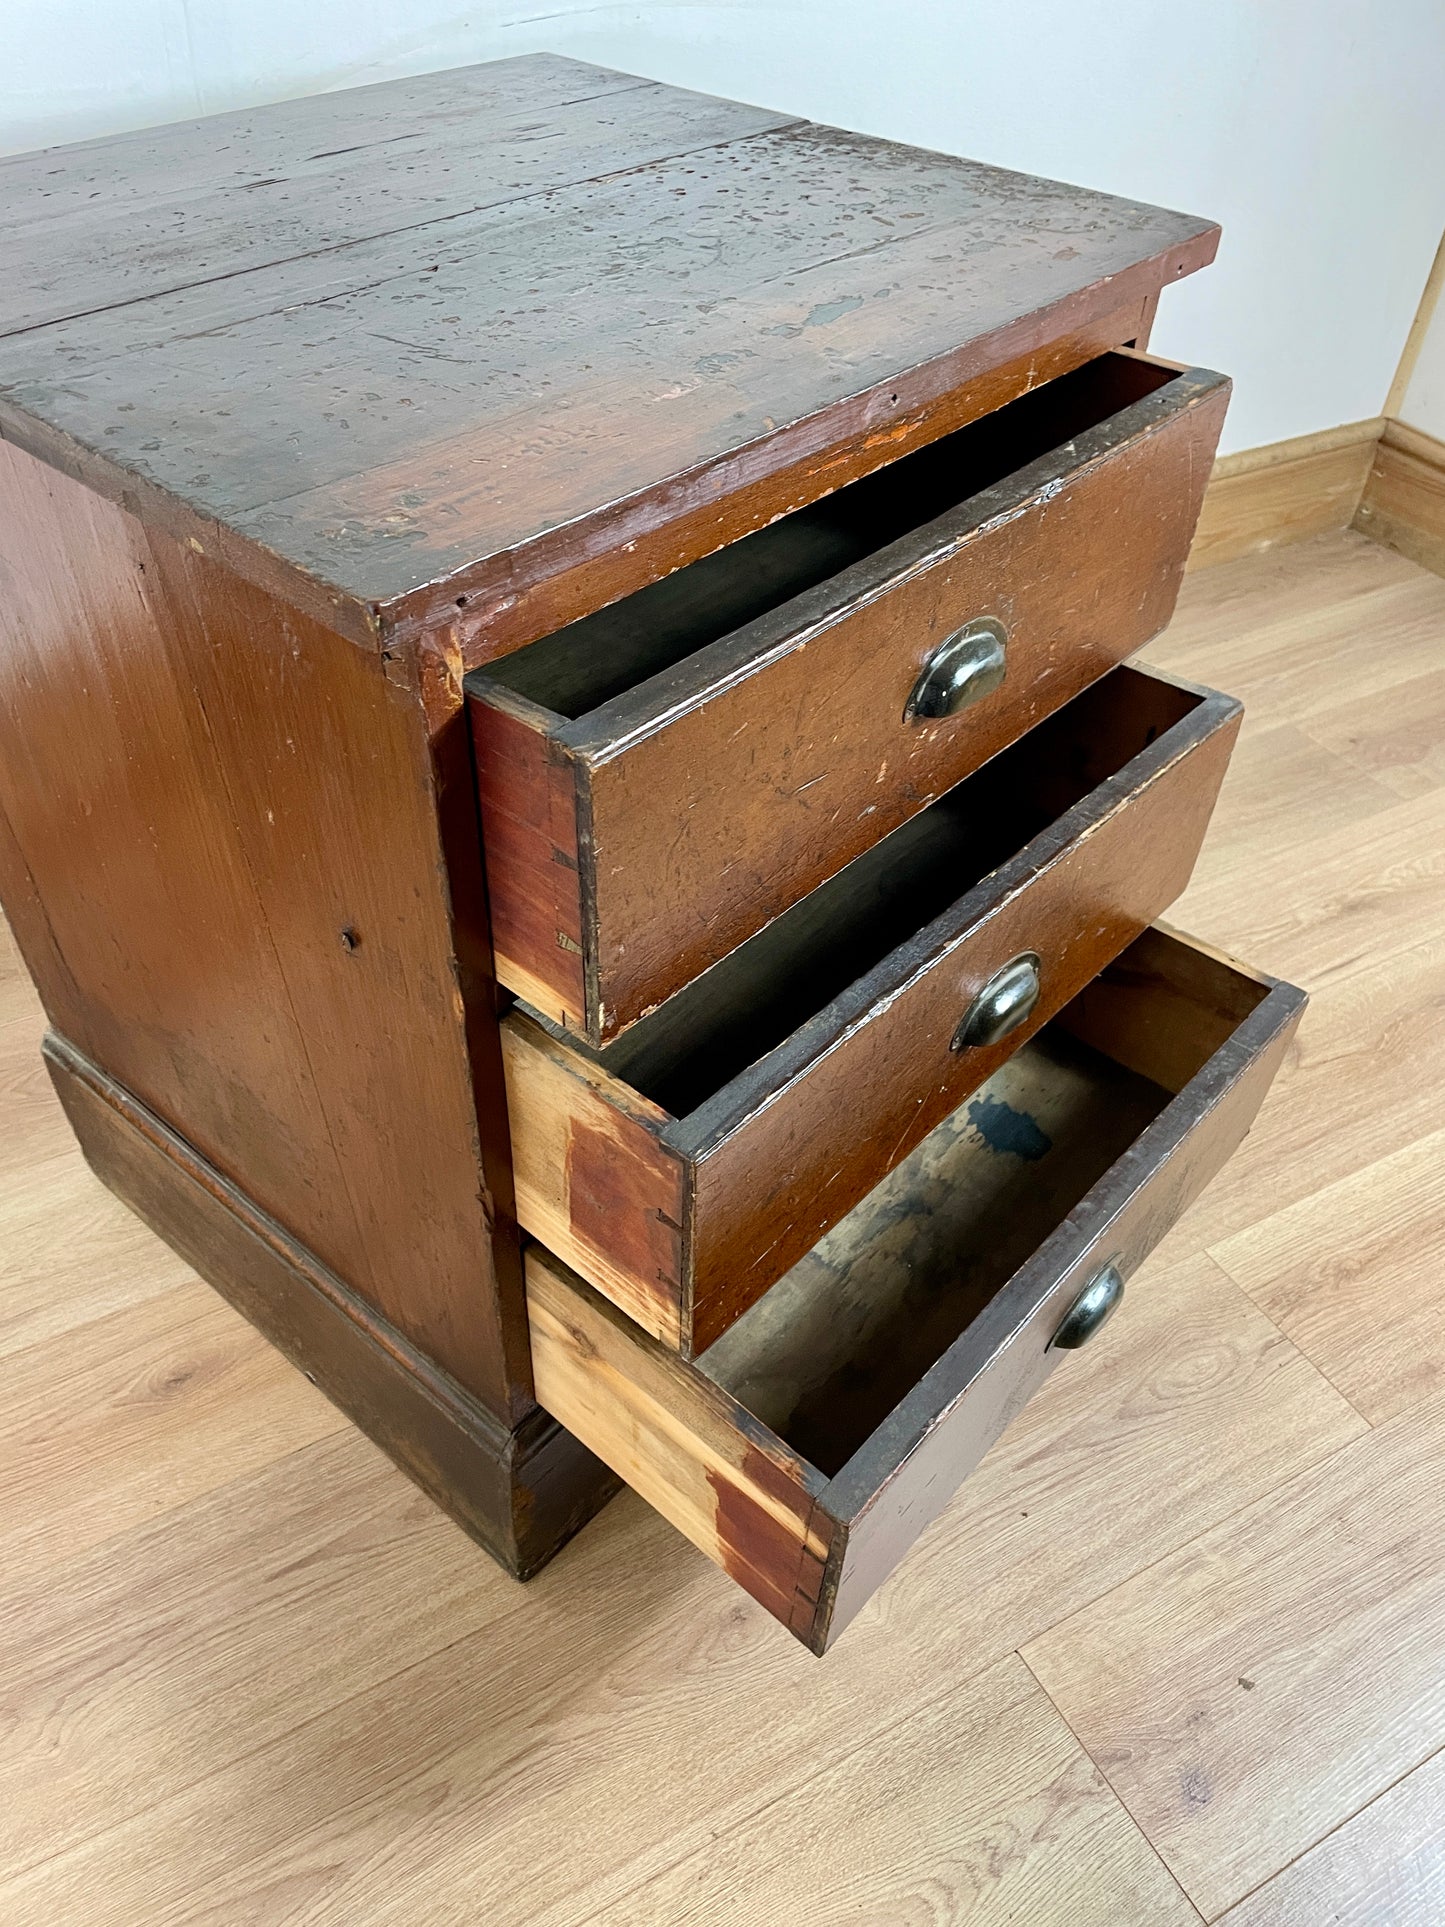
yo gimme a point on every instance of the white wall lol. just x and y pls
(1314, 132)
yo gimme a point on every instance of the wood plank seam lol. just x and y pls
(1348, 1820)
(1308, 1468)
(1114, 1791)
(1212, 1253)
(781, 126)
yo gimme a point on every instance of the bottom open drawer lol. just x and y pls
(808, 1448)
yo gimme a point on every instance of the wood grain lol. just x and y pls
(160, 1407)
(529, 808)
(681, 1442)
(781, 1458)
(434, 383)
(1284, 492)
(636, 1636)
(518, 1491)
(1323, 1267)
(1255, 1689)
(225, 854)
(105, 1243)
(1394, 738)
(592, 1179)
(134, 1678)
(1280, 630)
(1008, 1850)
(1385, 1867)
(1365, 892)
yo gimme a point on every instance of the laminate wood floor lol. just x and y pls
(1177, 1652)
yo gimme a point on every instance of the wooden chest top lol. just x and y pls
(405, 348)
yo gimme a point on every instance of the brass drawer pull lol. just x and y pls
(1093, 1307)
(967, 665)
(1005, 1001)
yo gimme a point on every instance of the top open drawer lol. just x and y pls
(660, 780)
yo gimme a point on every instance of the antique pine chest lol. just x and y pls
(571, 785)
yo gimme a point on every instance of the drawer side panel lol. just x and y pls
(527, 790)
(591, 1178)
(681, 1442)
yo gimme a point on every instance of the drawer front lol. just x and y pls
(793, 1455)
(685, 1216)
(632, 846)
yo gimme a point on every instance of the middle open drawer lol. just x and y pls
(683, 1169)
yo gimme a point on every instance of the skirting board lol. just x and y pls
(520, 1494)
(1403, 504)
(1263, 497)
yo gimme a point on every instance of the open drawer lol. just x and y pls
(809, 1448)
(659, 780)
(684, 1168)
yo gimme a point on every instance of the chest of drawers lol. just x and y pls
(573, 790)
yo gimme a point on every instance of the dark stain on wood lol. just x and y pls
(766, 1552)
(1009, 1132)
(626, 1205)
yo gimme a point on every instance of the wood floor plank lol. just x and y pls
(1355, 1274)
(979, 1807)
(109, 1425)
(1179, 1414)
(1283, 789)
(1323, 623)
(35, 1126)
(1250, 1692)
(583, 1716)
(1301, 581)
(1383, 1868)
(1395, 737)
(139, 1667)
(1362, 1080)
(18, 1001)
(1330, 905)
(71, 1252)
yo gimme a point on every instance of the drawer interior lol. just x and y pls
(830, 1350)
(826, 1354)
(577, 669)
(744, 1006)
